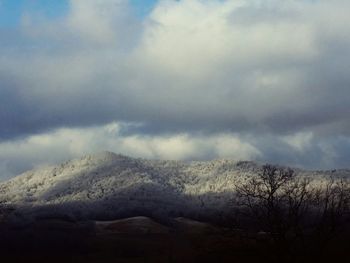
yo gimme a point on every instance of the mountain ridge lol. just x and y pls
(109, 185)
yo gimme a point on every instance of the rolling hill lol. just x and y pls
(108, 186)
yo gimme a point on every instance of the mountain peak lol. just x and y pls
(104, 156)
(107, 182)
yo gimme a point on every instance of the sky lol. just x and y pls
(257, 80)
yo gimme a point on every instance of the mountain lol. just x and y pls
(107, 186)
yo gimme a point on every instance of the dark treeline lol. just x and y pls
(301, 217)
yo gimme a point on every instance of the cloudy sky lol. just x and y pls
(264, 80)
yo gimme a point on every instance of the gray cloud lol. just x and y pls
(66, 143)
(302, 149)
(260, 70)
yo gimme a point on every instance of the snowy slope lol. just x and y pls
(111, 185)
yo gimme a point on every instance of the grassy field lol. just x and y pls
(141, 239)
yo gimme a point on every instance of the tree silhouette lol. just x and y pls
(275, 198)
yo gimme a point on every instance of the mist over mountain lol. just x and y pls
(108, 186)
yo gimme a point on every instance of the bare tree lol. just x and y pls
(275, 198)
(331, 207)
(302, 214)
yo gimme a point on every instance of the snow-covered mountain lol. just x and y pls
(107, 185)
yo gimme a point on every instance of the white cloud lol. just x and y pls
(300, 149)
(242, 62)
(225, 69)
(197, 38)
(299, 141)
(98, 21)
(64, 144)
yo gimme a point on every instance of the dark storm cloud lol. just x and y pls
(281, 84)
(262, 72)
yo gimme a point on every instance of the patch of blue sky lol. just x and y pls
(11, 11)
(143, 7)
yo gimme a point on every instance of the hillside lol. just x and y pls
(108, 185)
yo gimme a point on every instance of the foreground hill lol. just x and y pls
(112, 208)
(108, 186)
